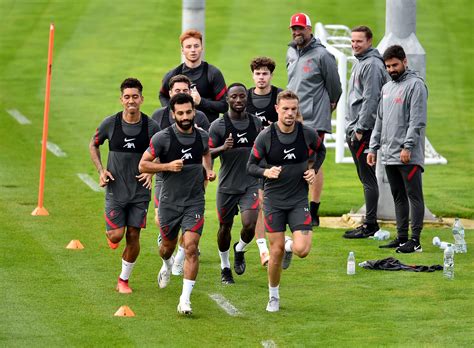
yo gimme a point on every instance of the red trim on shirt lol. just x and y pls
(96, 138)
(152, 149)
(255, 152)
(210, 143)
(221, 93)
(412, 172)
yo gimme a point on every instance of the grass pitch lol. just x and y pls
(52, 296)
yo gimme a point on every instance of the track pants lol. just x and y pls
(405, 184)
(366, 175)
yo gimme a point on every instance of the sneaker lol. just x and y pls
(177, 268)
(393, 244)
(264, 258)
(164, 276)
(362, 231)
(112, 245)
(239, 261)
(226, 276)
(184, 307)
(273, 304)
(287, 256)
(412, 246)
(122, 287)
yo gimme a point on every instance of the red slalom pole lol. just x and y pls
(40, 210)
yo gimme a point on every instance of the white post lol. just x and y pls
(193, 17)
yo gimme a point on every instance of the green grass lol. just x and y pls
(54, 296)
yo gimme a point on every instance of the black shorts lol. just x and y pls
(298, 219)
(118, 214)
(228, 205)
(172, 218)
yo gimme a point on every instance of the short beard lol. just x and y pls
(396, 76)
(184, 126)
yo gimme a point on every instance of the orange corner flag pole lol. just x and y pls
(40, 210)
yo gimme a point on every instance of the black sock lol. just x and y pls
(313, 208)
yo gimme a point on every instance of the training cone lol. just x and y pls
(124, 311)
(75, 244)
(40, 211)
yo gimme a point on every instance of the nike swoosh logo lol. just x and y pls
(241, 135)
(417, 247)
(184, 151)
(259, 113)
(286, 151)
(127, 140)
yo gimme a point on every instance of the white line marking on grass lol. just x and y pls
(268, 344)
(90, 182)
(54, 149)
(17, 115)
(225, 305)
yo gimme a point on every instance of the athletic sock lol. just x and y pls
(179, 257)
(314, 208)
(188, 286)
(225, 262)
(274, 291)
(262, 245)
(127, 268)
(240, 245)
(289, 244)
(168, 262)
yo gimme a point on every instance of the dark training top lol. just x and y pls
(290, 151)
(233, 177)
(209, 83)
(127, 143)
(263, 106)
(186, 187)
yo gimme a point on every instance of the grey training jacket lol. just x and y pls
(367, 78)
(313, 76)
(401, 120)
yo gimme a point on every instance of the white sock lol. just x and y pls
(179, 257)
(225, 263)
(273, 291)
(168, 263)
(262, 245)
(188, 286)
(288, 244)
(240, 245)
(127, 268)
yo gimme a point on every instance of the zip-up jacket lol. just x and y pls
(313, 76)
(367, 78)
(401, 120)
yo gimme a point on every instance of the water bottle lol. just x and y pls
(381, 235)
(458, 233)
(437, 242)
(351, 264)
(448, 267)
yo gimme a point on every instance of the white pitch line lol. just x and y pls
(90, 182)
(268, 344)
(17, 115)
(225, 305)
(54, 149)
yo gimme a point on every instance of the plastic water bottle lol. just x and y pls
(381, 235)
(458, 233)
(437, 242)
(351, 264)
(448, 267)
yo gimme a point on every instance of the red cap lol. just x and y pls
(300, 19)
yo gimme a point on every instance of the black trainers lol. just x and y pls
(412, 246)
(239, 261)
(393, 244)
(226, 276)
(363, 231)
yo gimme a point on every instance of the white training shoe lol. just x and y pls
(287, 256)
(273, 304)
(177, 268)
(164, 275)
(184, 307)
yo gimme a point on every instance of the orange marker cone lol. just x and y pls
(75, 244)
(124, 311)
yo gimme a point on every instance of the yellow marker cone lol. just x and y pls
(124, 311)
(75, 244)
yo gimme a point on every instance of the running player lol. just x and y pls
(127, 191)
(183, 154)
(286, 146)
(231, 137)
